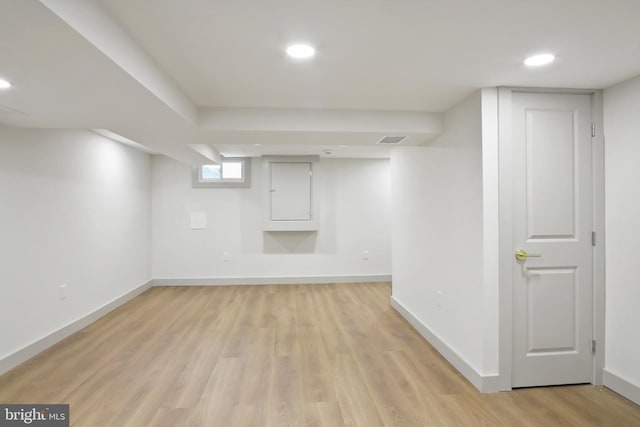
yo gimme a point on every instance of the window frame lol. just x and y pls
(244, 182)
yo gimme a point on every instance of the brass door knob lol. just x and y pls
(522, 255)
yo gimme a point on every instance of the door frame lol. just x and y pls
(505, 243)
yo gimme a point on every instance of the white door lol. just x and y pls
(290, 191)
(552, 182)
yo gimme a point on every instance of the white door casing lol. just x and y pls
(552, 217)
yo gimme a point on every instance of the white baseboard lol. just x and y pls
(273, 280)
(26, 353)
(621, 386)
(484, 383)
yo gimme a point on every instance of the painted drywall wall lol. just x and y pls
(490, 230)
(622, 206)
(354, 217)
(437, 233)
(74, 210)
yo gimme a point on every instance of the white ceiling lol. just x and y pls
(169, 73)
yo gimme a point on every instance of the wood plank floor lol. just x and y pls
(290, 355)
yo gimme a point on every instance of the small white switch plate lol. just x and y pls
(225, 256)
(63, 291)
(365, 254)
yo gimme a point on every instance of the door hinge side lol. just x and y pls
(593, 238)
(593, 130)
(593, 346)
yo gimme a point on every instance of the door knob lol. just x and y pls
(522, 255)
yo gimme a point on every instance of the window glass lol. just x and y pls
(232, 170)
(210, 172)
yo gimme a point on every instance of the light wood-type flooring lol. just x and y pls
(290, 355)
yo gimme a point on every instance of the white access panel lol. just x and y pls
(290, 191)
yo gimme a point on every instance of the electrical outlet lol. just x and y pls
(63, 291)
(365, 254)
(225, 256)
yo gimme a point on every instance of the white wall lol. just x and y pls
(74, 209)
(490, 231)
(354, 197)
(622, 176)
(438, 242)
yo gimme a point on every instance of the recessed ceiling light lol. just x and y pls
(4, 84)
(301, 51)
(538, 60)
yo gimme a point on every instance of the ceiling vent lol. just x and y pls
(391, 140)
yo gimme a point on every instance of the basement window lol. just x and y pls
(230, 173)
